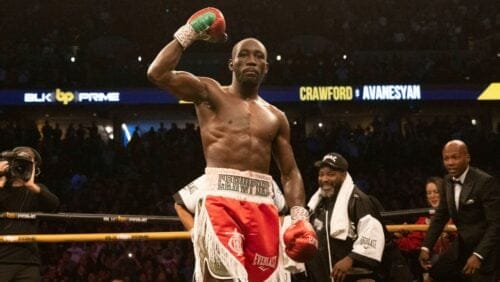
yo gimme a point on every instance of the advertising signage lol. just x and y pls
(398, 92)
(297, 94)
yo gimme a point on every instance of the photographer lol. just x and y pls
(20, 193)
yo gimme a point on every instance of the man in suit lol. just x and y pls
(472, 199)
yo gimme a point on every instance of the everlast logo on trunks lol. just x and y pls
(264, 262)
(244, 185)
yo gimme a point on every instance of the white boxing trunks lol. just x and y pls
(236, 230)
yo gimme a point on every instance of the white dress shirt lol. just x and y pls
(458, 183)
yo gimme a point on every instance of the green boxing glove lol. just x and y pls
(207, 24)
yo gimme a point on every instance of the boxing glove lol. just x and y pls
(207, 24)
(301, 242)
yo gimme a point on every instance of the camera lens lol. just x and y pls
(21, 168)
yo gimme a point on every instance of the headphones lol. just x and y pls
(37, 156)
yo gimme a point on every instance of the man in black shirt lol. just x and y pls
(353, 243)
(20, 193)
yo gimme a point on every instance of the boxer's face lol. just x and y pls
(249, 62)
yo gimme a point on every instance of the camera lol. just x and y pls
(20, 165)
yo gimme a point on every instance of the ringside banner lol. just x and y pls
(297, 94)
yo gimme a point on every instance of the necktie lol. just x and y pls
(457, 185)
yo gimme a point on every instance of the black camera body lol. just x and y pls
(20, 166)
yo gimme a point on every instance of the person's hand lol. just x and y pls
(207, 24)
(4, 168)
(301, 242)
(473, 263)
(424, 259)
(398, 235)
(401, 233)
(341, 268)
(30, 183)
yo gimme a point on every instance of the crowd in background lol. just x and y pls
(328, 42)
(382, 41)
(389, 159)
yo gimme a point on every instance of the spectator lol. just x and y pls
(410, 242)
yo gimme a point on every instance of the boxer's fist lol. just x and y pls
(301, 242)
(210, 24)
(207, 24)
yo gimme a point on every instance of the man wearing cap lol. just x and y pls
(350, 233)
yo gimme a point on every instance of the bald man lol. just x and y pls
(236, 224)
(471, 197)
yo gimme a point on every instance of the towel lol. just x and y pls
(339, 221)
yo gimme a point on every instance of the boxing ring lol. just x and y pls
(144, 219)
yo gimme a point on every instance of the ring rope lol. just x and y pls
(141, 236)
(54, 238)
(417, 227)
(91, 217)
(408, 212)
(110, 218)
(158, 218)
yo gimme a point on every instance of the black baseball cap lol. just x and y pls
(333, 160)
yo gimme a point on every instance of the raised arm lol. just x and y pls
(162, 73)
(207, 24)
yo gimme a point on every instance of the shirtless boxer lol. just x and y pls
(236, 228)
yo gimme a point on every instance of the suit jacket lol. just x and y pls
(477, 219)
